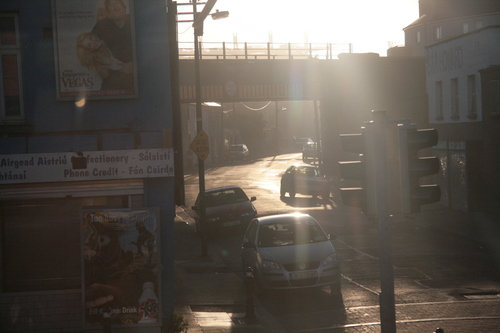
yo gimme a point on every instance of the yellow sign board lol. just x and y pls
(200, 145)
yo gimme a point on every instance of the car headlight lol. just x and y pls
(330, 260)
(270, 265)
(212, 219)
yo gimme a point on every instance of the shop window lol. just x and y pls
(471, 97)
(455, 112)
(40, 246)
(11, 99)
(439, 100)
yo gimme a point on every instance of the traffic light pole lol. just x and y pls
(386, 298)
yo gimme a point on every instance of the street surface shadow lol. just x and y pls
(307, 202)
(293, 308)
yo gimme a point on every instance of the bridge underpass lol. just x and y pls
(345, 91)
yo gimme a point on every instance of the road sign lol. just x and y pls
(200, 145)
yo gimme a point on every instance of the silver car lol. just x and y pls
(289, 251)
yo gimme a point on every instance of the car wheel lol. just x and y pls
(292, 193)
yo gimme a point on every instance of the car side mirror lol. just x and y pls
(253, 198)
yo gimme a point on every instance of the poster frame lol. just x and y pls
(87, 94)
(158, 290)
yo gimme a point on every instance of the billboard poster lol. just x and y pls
(120, 264)
(95, 49)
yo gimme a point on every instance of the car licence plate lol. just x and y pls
(231, 223)
(303, 275)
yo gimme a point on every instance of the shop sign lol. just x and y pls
(81, 166)
(121, 259)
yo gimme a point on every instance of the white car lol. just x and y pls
(290, 251)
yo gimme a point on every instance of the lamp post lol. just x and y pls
(198, 31)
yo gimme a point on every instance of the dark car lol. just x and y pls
(226, 207)
(305, 179)
(238, 152)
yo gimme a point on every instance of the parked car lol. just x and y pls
(225, 208)
(301, 142)
(289, 251)
(310, 150)
(305, 179)
(238, 152)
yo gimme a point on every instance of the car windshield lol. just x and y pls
(225, 197)
(293, 232)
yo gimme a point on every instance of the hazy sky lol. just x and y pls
(370, 25)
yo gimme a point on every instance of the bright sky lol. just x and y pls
(370, 25)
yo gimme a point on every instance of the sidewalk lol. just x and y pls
(209, 296)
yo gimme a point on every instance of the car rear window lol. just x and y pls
(225, 197)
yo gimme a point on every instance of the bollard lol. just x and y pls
(250, 287)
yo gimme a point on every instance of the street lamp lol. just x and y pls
(198, 31)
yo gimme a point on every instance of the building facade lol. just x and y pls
(86, 166)
(459, 42)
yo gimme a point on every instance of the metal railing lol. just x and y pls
(223, 50)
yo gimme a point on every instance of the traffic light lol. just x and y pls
(413, 167)
(361, 171)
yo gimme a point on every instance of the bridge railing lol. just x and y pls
(223, 50)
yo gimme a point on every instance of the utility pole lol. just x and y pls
(387, 299)
(179, 190)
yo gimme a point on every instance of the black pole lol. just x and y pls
(173, 46)
(250, 302)
(199, 128)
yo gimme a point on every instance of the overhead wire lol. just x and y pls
(259, 109)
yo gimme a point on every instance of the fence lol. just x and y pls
(211, 50)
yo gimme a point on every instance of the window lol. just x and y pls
(471, 97)
(439, 32)
(494, 93)
(11, 99)
(439, 100)
(465, 28)
(419, 37)
(454, 100)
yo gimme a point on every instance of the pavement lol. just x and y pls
(211, 298)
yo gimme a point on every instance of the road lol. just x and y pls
(429, 266)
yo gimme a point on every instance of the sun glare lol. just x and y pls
(371, 26)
